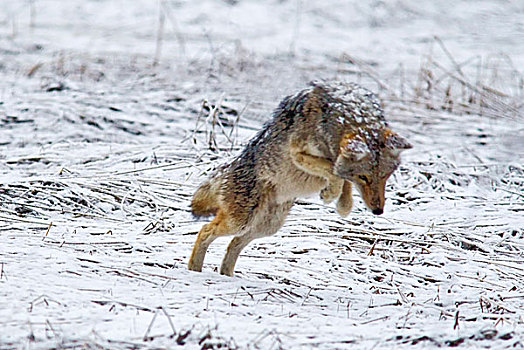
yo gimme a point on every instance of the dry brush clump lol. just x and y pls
(490, 86)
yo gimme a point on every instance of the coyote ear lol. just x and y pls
(395, 143)
(353, 147)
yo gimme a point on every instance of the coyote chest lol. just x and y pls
(291, 182)
(297, 185)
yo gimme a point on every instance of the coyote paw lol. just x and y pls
(345, 201)
(332, 191)
(344, 207)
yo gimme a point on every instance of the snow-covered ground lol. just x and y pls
(112, 113)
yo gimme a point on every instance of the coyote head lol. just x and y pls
(367, 158)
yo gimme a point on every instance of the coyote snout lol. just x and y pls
(374, 196)
(324, 139)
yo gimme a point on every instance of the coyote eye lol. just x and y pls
(364, 179)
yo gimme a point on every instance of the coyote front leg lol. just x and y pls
(318, 166)
(345, 201)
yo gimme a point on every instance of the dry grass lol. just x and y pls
(450, 256)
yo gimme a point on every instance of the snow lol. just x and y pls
(104, 136)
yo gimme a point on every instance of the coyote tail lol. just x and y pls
(205, 201)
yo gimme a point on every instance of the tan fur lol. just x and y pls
(313, 145)
(345, 201)
(204, 201)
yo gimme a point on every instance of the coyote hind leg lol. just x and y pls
(267, 221)
(233, 251)
(222, 225)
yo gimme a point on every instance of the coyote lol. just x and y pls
(321, 140)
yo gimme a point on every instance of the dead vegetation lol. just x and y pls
(124, 214)
(96, 229)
